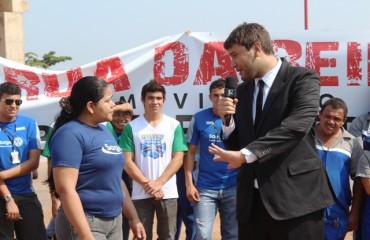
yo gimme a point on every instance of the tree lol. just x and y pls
(49, 59)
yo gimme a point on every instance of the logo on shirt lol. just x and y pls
(111, 149)
(7, 143)
(213, 138)
(152, 146)
(18, 141)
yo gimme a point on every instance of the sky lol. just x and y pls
(89, 30)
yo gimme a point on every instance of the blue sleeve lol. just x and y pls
(34, 136)
(192, 136)
(66, 149)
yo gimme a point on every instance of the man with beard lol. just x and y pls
(282, 186)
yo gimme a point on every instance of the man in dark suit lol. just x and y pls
(282, 185)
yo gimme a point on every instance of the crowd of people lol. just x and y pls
(272, 163)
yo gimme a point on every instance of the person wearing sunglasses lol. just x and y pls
(20, 144)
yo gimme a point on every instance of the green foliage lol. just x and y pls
(49, 59)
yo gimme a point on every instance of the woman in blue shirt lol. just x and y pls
(87, 166)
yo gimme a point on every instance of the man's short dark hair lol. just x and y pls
(217, 84)
(153, 86)
(336, 103)
(247, 34)
(9, 88)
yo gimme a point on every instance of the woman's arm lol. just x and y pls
(130, 213)
(65, 179)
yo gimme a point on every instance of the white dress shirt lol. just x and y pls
(268, 79)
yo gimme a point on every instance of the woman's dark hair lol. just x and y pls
(86, 89)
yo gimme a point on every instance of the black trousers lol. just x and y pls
(31, 226)
(263, 227)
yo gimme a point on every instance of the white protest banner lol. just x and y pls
(186, 64)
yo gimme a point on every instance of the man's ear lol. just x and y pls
(257, 48)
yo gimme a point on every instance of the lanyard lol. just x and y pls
(217, 136)
(8, 135)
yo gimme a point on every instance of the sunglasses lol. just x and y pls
(10, 101)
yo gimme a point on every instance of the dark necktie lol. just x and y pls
(259, 102)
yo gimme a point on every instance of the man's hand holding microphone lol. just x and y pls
(226, 108)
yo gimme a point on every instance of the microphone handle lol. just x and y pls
(227, 119)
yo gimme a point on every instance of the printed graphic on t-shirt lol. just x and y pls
(18, 141)
(152, 146)
(111, 148)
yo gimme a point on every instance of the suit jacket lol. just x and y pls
(292, 180)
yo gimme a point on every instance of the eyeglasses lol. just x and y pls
(11, 101)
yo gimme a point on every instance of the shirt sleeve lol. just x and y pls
(179, 142)
(192, 136)
(66, 149)
(127, 144)
(363, 167)
(357, 153)
(356, 127)
(34, 136)
(46, 151)
(227, 130)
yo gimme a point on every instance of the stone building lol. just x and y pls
(11, 29)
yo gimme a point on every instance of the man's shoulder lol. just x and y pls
(203, 113)
(170, 119)
(347, 135)
(363, 118)
(22, 118)
(137, 120)
(296, 69)
(72, 127)
(351, 140)
(24, 122)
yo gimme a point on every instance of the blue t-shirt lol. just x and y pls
(26, 138)
(204, 129)
(95, 152)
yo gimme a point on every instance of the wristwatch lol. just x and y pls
(8, 198)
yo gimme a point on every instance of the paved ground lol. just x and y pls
(44, 196)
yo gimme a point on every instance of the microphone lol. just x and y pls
(231, 83)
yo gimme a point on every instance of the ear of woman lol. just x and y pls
(90, 107)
